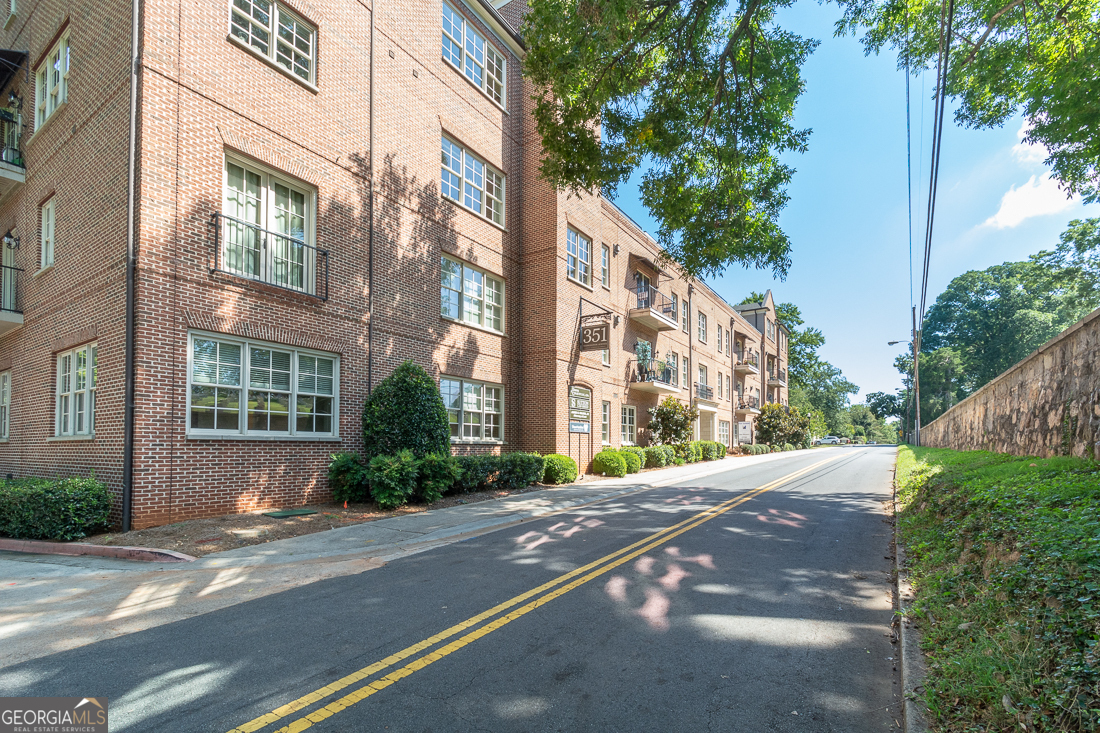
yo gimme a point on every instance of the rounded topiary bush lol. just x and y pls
(636, 450)
(633, 462)
(559, 469)
(655, 457)
(609, 463)
(405, 412)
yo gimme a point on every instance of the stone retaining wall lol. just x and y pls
(1046, 405)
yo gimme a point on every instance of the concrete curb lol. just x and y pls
(142, 554)
(913, 667)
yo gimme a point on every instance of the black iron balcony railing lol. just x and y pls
(746, 356)
(748, 403)
(652, 298)
(704, 391)
(278, 259)
(9, 138)
(651, 370)
(779, 374)
(9, 283)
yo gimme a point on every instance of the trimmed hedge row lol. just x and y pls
(394, 480)
(53, 509)
(607, 461)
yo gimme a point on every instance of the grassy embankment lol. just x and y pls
(1005, 557)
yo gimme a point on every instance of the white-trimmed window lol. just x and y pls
(472, 182)
(729, 395)
(605, 357)
(721, 381)
(5, 404)
(469, 52)
(703, 374)
(675, 308)
(728, 352)
(277, 34)
(475, 410)
(674, 367)
(471, 295)
(51, 87)
(240, 387)
(76, 382)
(605, 261)
(724, 432)
(684, 372)
(771, 329)
(578, 257)
(703, 327)
(47, 220)
(267, 231)
(629, 425)
(684, 309)
(605, 435)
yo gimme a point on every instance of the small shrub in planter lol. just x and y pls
(478, 472)
(438, 474)
(53, 509)
(393, 478)
(609, 463)
(518, 470)
(348, 478)
(405, 412)
(655, 457)
(559, 469)
(633, 462)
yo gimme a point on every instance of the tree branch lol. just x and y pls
(989, 28)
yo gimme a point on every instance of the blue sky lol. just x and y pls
(848, 214)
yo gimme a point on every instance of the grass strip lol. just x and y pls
(1004, 555)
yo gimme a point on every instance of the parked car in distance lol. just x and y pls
(829, 440)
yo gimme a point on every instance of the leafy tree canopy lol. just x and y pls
(1007, 57)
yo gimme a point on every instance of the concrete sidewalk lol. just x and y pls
(50, 603)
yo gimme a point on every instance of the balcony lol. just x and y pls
(12, 170)
(652, 376)
(277, 259)
(749, 405)
(655, 310)
(777, 378)
(11, 317)
(748, 362)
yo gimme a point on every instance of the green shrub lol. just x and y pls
(559, 469)
(633, 462)
(678, 461)
(710, 450)
(609, 463)
(393, 478)
(669, 453)
(518, 470)
(53, 509)
(696, 447)
(348, 478)
(405, 412)
(655, 457)
(438, 474)
(788, 446)
(636, 450)
(478, 472)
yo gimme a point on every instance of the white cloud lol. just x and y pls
(1028, 154)
(1040, 196)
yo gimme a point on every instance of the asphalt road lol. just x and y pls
(687, 608)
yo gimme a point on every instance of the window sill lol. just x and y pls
(574, 280)
(68, 438)
(476, 442)
(474, 326)
(293, 77)
(42, 271)
(266, 438)
(481, 217)
(56, 113)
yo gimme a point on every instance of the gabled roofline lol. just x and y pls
(489, 15)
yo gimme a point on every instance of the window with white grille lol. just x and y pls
(629, 425)
(51, 87)
(468, 51)
(277, 34)
(471, 295)
(475, 410)
(5, 404)
(578, 257)
(76, 383)
(470, 181)
(47, 221)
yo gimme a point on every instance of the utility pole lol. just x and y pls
(916, 376)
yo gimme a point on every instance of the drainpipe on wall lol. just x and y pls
(131, 285)
(370, 207)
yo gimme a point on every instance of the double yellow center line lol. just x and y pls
(551, 590)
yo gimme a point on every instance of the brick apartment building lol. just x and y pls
(192, 228)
